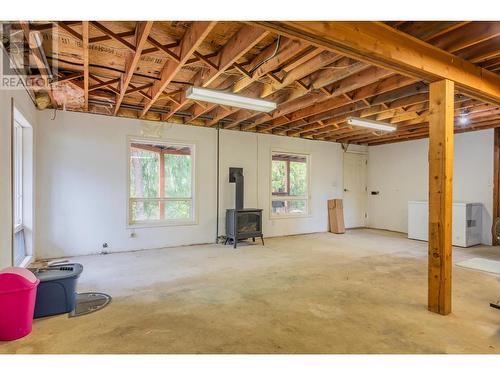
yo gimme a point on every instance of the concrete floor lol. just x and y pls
(361, 292)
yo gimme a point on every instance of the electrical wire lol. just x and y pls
(278, 42)
(218, 186)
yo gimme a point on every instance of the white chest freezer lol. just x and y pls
(466, 222)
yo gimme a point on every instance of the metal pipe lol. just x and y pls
(218, 186)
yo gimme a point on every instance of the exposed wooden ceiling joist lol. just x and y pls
(239, 44)
(191, 40)
(379, 44)
(315, 85)
(142, 30)
(85, 57)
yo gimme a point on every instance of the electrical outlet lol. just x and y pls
(104, 248)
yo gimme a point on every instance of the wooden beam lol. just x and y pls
(85, 55)
(100, 83)
(164, 48)
(269, 59)
(469, 35)
(199, 110)
(382, 45)
(239, 44)
(241, 115)
(481, 52)
(288, 56)
(341, 69)
(307, 55)
(441, 103)
(364, 91)
(355, 81)
(483, 120)
(104, 84)
(112, 35)
(138, 88)
(439, 28)
(420, 126)
(68, 29)
(194, 36)
(103, 38)
(69, 77)
(132, 59)
(421, 122)
(219, 113)
(317, 62)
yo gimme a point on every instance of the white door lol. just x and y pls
(355, 192)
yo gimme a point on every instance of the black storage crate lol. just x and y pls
(57, 289)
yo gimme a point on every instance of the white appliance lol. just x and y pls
(466, 222)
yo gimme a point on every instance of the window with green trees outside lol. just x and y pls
(289, 184)
(161, 183)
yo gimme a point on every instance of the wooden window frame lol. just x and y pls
(162, 221)
(285, 195)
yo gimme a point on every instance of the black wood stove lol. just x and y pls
(242, 223)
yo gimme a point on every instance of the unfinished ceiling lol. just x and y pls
(142, 69)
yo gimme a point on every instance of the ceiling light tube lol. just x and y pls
(231, 100)
(364, 123)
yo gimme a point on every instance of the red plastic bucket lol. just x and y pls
(17, 302)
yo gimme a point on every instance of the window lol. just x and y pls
(22, 192)
(161, 183)
(289, 184)
(18, 175)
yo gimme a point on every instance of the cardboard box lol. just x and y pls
(336, 216)
(335, 203)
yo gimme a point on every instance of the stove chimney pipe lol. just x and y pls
(236, 176)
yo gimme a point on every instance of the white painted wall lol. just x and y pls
(82, 191)
(253, 152)
(24, 104)
(82, 185)
(399, 171)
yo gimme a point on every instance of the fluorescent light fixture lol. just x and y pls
(364, 123)
(231, 100)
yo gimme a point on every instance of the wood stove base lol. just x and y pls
(235, 241)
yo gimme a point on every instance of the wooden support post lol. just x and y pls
(441, 104)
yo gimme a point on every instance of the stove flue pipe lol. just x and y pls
(236, 176)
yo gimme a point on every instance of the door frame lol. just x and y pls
(365, 154)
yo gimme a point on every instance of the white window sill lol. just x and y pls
(278, 217)
(26, 261)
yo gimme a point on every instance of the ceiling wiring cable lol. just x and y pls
(278, 42)
(276, 49)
